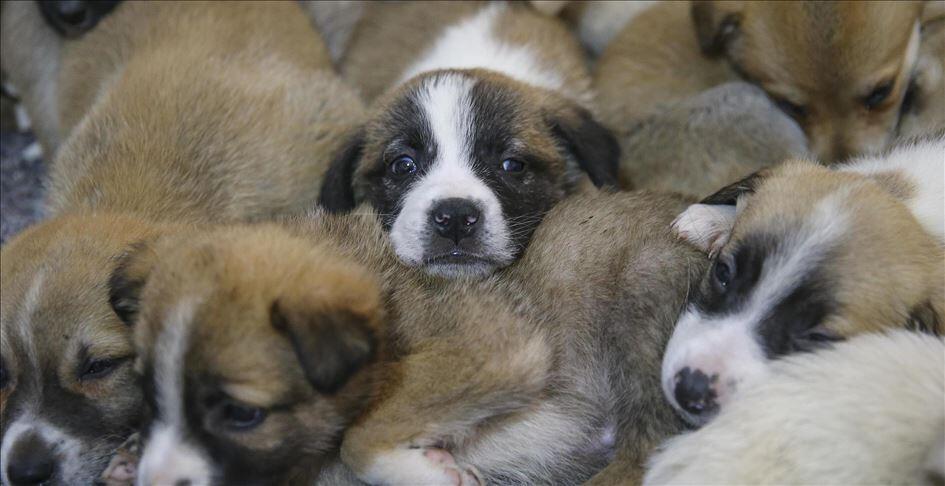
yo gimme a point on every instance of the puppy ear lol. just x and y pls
(337, 193)
(591, 144)
(708, 225)
(331, 345)
(729, 194)
(716, 25)
(128, 278)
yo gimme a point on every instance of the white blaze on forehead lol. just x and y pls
(24, 318)
(728, 345)
(168, 458)
(472, 43)
(445, 102)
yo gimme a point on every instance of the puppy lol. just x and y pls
(804, 256)
(923, 110)
(179, 115)
(868, 411)
(520, 378)
(73, 18)
(253, 366)
(483, 128)
(840, 69)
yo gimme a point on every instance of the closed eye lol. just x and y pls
(879, 95)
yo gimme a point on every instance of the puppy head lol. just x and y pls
(841, 69)
(68, 392)
(462, 165)
(252, 347)
(802, 256)
(72, 18)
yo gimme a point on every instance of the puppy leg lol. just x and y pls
(442, 391)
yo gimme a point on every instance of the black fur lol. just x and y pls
(72, 18)
(923, 318)
(714, 29)
(729, 194)
(337, 193)
(592, 145)
(124, 290)
(330, 346)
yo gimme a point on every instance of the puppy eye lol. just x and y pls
(512, 165)
(242, 417)
(98, 368)
(723, 273)
(404, 165)
(878, 95)
(793, 110)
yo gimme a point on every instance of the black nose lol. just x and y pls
(695, 392)
(31, 461)
(455, 218)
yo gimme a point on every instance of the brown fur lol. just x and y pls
(185, 113)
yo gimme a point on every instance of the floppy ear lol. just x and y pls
(716, 24)
(128, 278)
(708, 225)
(590, 143)
(337, 193)
(331, 344)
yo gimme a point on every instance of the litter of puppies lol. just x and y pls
(460, 243)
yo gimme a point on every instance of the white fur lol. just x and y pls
(706, 226)
(869, 411)
(445, 101)
(727, 345)
(66, 448)
(472, 44)
(923, 165)
(24, 322)
(410, 467)
(167, 457)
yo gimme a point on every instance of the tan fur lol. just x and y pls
(391, 35)
(826, 57)
(176, 113)
(927, 114)
(884, 240)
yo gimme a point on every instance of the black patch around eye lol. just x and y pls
(792, 109)
(793, 325)
(747, 261)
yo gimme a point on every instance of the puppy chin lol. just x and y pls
(469, 267)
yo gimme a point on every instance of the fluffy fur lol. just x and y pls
(174, 115)
(867, 411)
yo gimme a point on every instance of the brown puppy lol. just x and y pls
(840, 69)
(176, 113)
(534, 375)
(805, 255)
(482, 127)
(923, 111)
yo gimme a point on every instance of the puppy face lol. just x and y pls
(462, 165)
(250, 348)
(68, 393)
(839, 68)
(72, 18)
(807, 256)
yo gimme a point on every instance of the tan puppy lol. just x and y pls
(176, 113)
(840, 69)
(524, 378)
(804, 256)
(480, 125)
(923, 111)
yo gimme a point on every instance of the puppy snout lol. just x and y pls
(455, 219)
(695, 392)
(32, 461)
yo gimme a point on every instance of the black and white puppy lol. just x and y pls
(478, 137)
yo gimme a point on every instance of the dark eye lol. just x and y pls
(98, 368)
(878, 95)
(512, 165)
(793, 110)
(723, 273)
(242, 417)
(404, 165)
(821, 336)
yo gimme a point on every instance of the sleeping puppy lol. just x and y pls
(483, 128)
(72, 18)
(804, 256)
(868, 411)
(840, 69)
(167, 106)
(253, 366)
(520, 378)
(923, 110)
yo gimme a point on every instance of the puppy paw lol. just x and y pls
(706, 226)
(419, 466)
(463, 476)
